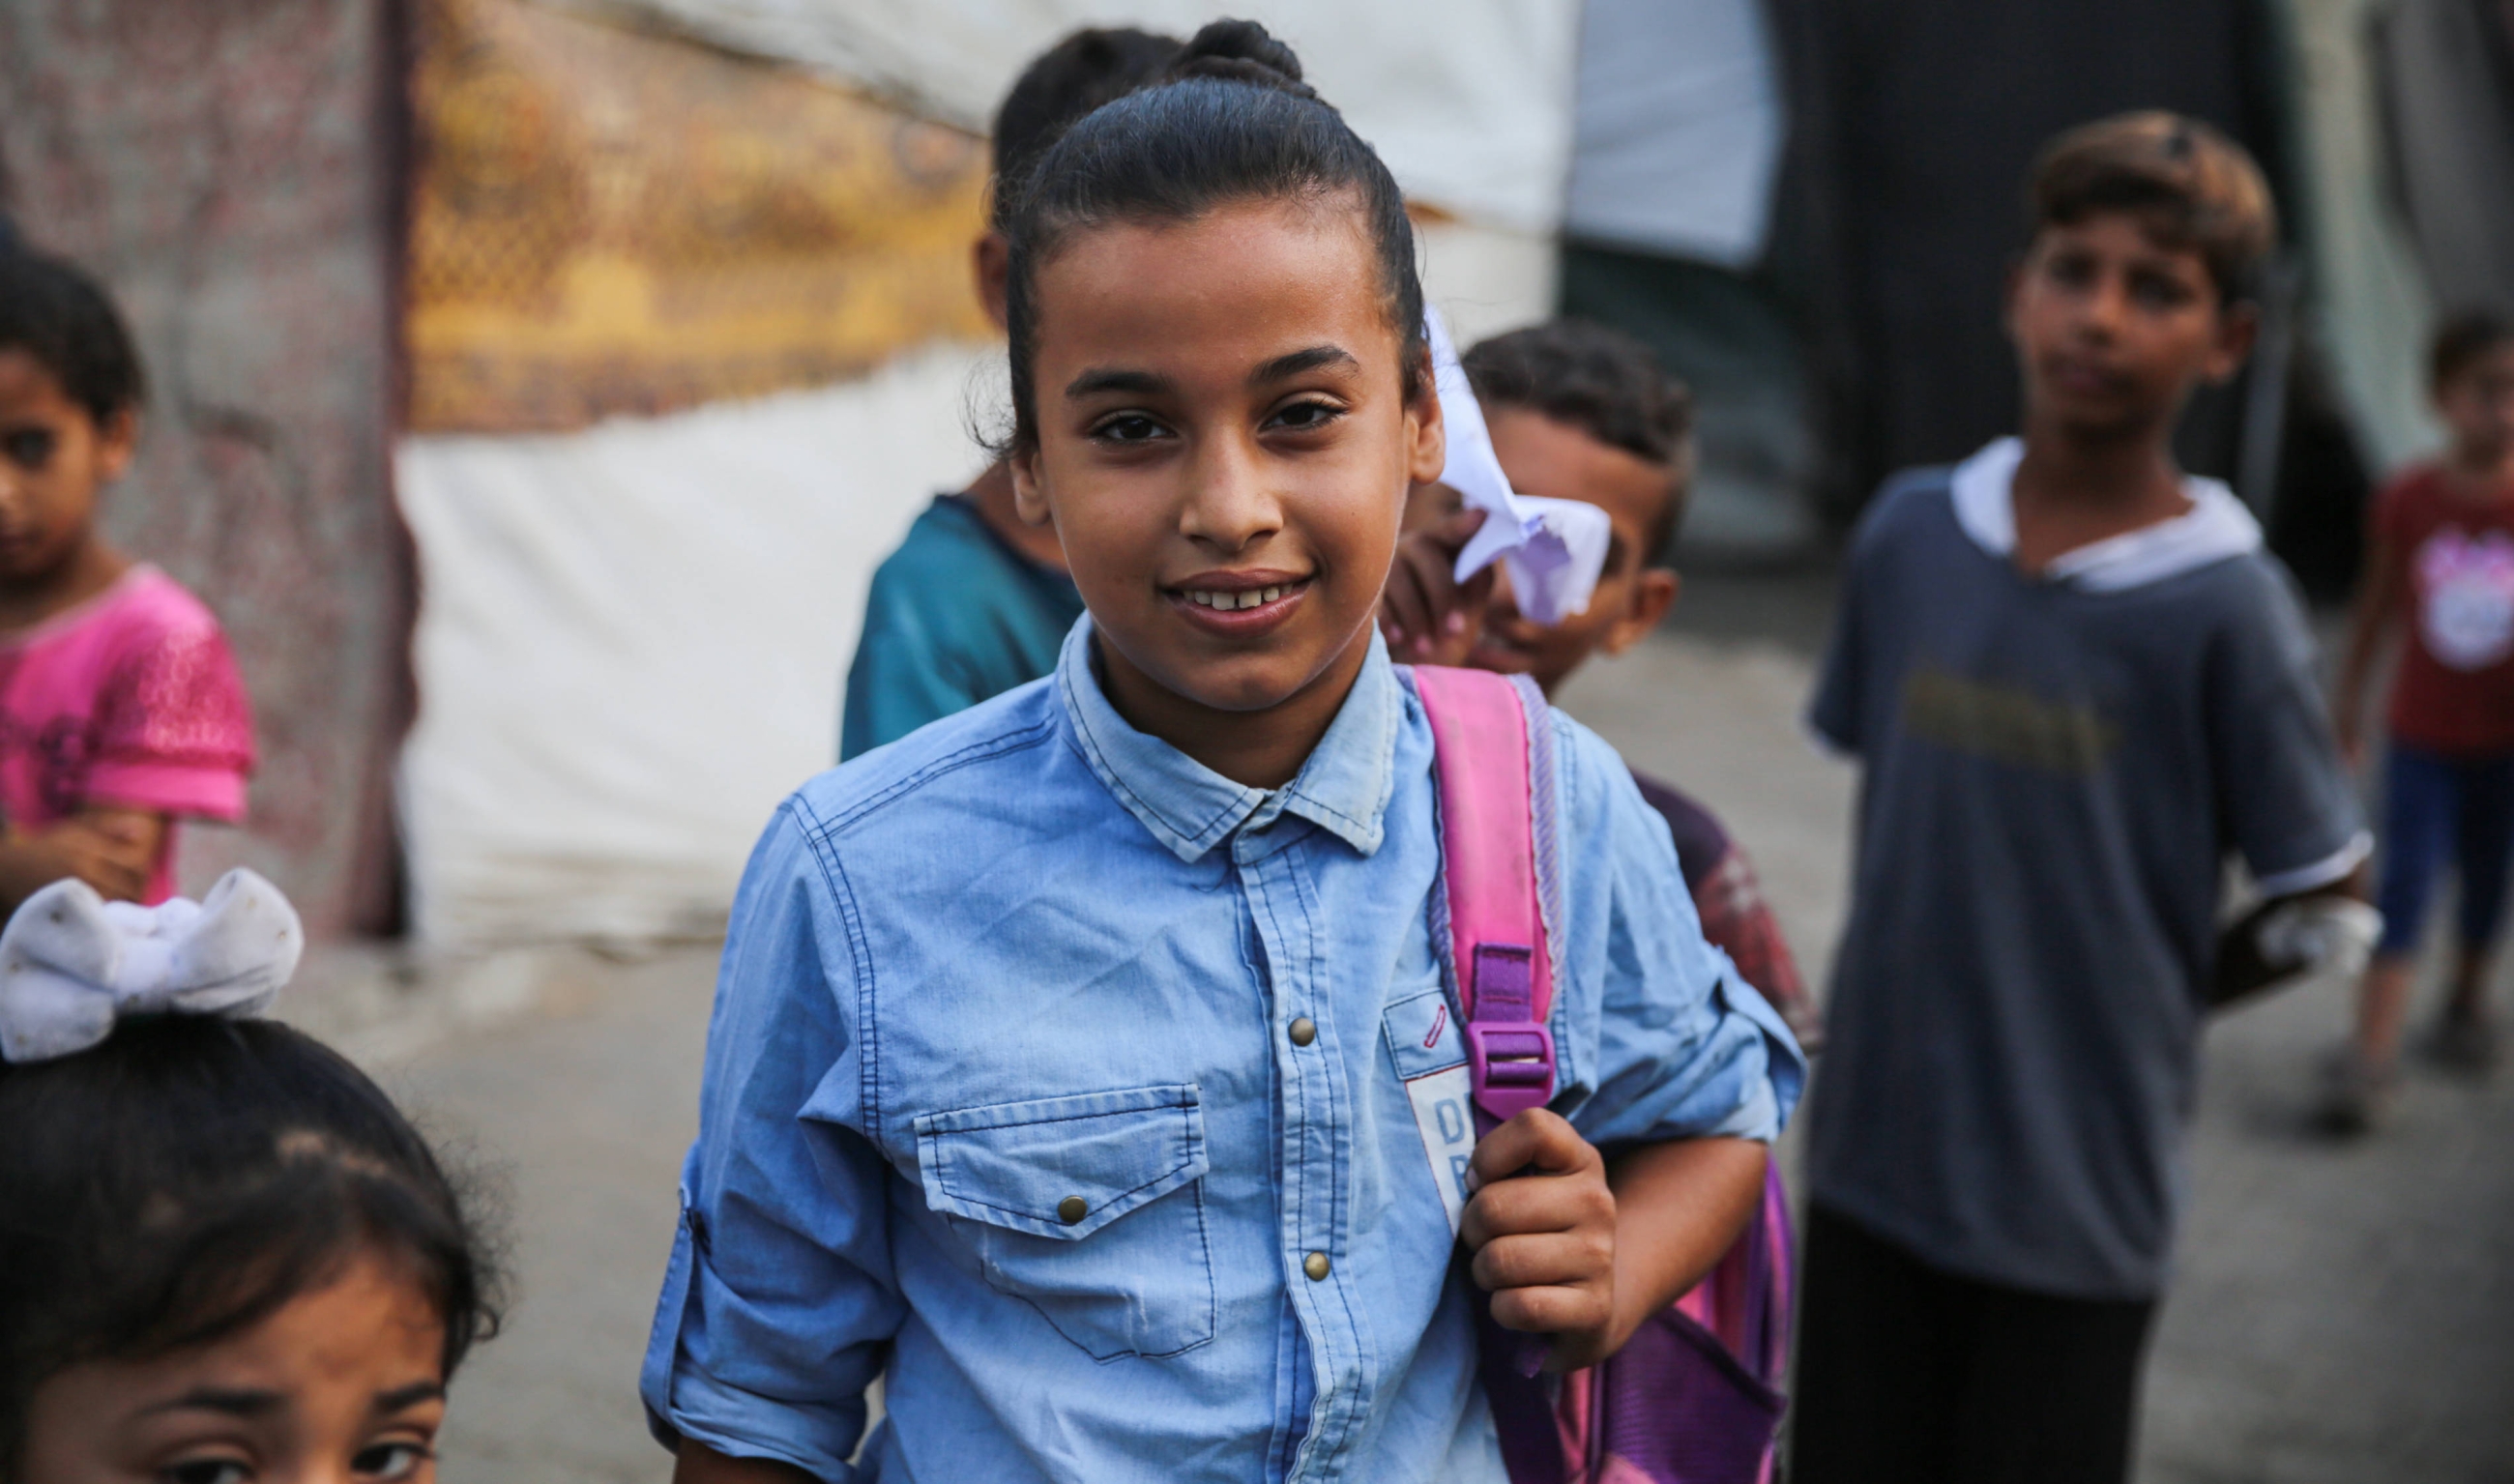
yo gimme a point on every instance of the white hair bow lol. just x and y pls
(72, 963)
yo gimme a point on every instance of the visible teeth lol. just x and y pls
(1229, 602)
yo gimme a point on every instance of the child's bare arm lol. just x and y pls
(1568, 1248)
(2245, 968)
(698, 1464)
(112, 850)
(2379, 605)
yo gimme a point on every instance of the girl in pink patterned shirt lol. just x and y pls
(121, 711)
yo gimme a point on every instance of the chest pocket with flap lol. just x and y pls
(1089, 1208)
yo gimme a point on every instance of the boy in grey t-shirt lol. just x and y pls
(2075, 684)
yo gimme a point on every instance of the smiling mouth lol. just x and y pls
(1241, 609)
(1223, 600)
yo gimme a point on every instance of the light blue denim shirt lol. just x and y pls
(1004, 1103)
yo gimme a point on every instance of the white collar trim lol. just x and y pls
(2217, 526)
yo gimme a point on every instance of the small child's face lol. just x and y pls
(344, 1383)
(2114, 327)
(1225, 445)
(2477, 405)
(54, 459)
(1557, 460)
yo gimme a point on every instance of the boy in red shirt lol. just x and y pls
(2443, 558)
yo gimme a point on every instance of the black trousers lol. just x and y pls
(1907, 1373)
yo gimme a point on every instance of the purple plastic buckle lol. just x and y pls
(1513, 1066)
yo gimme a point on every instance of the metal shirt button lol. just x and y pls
(1304, 1030)
(1071, 1208)
(1315, 1266)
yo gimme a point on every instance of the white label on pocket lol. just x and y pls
(1447, 1118)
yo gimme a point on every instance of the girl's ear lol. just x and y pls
(1029, 495)
(1427, 450)
(115, 442)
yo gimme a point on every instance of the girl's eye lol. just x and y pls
(29, 448)
(1127, 428)
(206, 1471)
(389, 1460)
(1305, 417)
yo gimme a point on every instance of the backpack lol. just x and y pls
(1694, 1397)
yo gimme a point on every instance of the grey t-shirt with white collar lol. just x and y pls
(2056, 770)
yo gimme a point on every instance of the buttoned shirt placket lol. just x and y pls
(1316, 1127)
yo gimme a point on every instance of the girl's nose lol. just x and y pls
(1230, 503)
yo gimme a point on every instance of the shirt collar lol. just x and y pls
(1343, 787)
(2217, 526)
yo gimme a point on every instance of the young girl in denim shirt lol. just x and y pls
(1058, 1072)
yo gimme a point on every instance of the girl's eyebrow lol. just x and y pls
(1100, 379)
(237, 1402)
(1299, 361)
(403, 1398)
(1139, 383)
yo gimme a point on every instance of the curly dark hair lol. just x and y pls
(188, 1177)
(52, 310)
(1603, 382)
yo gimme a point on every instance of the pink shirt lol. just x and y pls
(130, 698)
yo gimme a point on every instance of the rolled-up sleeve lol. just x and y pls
(779, 1302)
(1683, 1047)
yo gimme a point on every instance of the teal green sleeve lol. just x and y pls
(902, 677)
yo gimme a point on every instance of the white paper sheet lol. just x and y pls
(1554, 549)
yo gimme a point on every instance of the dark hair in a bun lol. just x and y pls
(1234, 123)
(1241, 51)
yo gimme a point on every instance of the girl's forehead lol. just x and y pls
(1235, 279)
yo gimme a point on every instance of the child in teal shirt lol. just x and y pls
(974, 602)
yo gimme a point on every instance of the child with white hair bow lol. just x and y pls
(224, 1252)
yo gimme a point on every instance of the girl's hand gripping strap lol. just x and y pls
(1489, 842)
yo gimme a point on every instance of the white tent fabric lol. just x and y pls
(1468, 101)
(631, 639)
(1678, 129)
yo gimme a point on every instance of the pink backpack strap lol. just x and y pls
(1493, 751)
